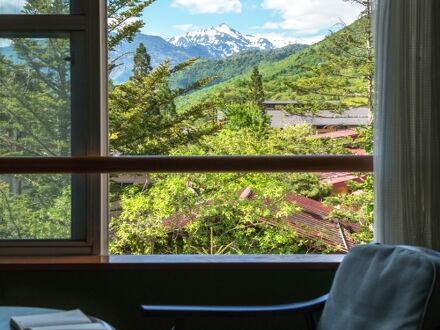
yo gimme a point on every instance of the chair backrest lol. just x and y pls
(385, 287)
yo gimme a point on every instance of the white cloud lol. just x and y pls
(209, 6)
(310, 16)
(11, 6)
(281, 39)
(186, 27)
(5, 43)
(311, 40)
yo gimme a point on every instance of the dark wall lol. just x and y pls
(115, 295)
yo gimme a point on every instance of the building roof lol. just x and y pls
(313, 223)
(351, 117)
(338, 177)
(338, 134)
(310, 223)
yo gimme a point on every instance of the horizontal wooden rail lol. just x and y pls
(12, 26)
(168, 164)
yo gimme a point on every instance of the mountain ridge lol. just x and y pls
(221, 41)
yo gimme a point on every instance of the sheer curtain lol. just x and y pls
(407, 149)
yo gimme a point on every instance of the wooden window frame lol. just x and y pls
(86, 26)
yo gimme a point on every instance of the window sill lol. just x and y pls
(159, 262)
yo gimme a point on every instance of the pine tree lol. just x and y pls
(256, 91)
(142, 62)
(124, 21)
(342, 75)
(143, 117)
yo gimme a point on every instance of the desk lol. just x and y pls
(7, 312)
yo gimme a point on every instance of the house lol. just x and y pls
(324, 121)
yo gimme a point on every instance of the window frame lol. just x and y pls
(86, 25)
(91, 163)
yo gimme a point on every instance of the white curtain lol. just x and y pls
(407, 149)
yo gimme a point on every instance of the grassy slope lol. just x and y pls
(225, 69)
(274, 74)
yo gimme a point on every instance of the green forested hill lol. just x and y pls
(274, 73)
(230, 67)
(277, 73)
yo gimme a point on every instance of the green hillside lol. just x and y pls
(225, 69)
(277, 73)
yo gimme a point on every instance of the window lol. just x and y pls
(56, 113)
(246, 96)
(52, 108)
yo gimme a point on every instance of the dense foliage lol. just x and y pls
(228, 68)
(143, 117)
(204, 213)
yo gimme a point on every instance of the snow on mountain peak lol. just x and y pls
(221, 41)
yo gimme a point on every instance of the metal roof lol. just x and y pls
(351, 117)
(311, 222)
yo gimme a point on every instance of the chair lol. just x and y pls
(376, 287)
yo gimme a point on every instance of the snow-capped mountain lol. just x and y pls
(220, 41)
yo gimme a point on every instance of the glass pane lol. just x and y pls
(240, 213)
(35, 207)
(34, 7)
(244, 77)
(35, 92)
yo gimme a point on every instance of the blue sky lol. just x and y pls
(295, 20)
(305, 21)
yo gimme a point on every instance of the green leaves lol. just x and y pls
(143, 117)
(248, 115)
(204, 213)
(124, 20)
(142, 62)
(337, 73)
(256, 90)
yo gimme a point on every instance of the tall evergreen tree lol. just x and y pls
(342, 77)
(142, 62)
(124, 21)
(256, 91)
(143, 117)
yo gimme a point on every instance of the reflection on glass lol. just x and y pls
(51, 7)
(240, 213)
(35, 97)
(35, 207)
